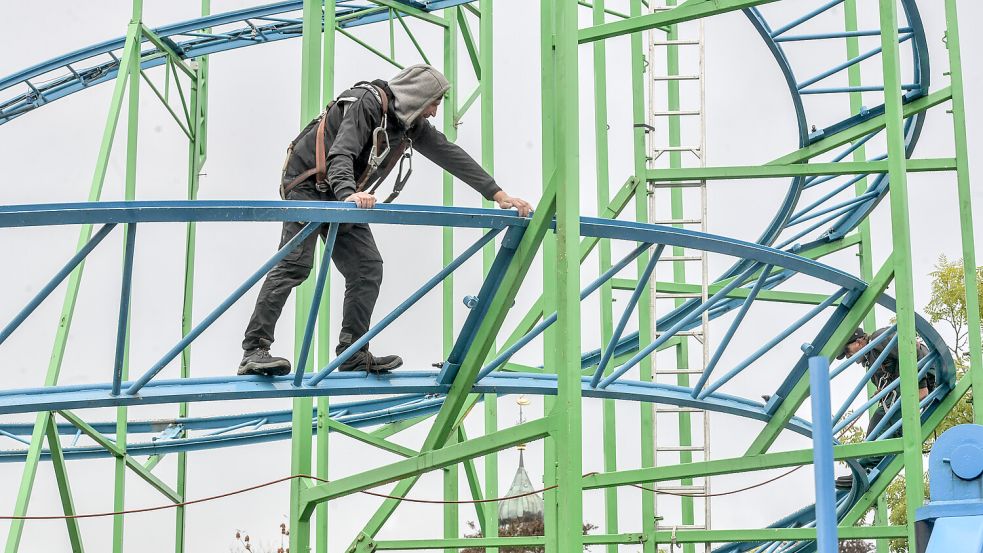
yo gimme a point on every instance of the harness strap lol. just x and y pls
(376, 156)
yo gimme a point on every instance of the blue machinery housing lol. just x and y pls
(756, 267)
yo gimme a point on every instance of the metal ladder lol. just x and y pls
(686, 149)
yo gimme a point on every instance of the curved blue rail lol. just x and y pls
(793, 227)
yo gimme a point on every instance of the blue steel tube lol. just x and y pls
(501, 358)
(123, 326)
(667, 335)
(55, 281)
(304, 233)
(822, 454)
(629, 309)
(322, 273)
(401, 308)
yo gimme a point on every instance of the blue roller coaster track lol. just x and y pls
(766, 264)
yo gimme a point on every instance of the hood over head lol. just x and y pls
(415, 88)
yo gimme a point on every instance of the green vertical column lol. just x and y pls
(647, 437)
(302, 422)
(901, 240)
(566, 163)
(197, 152)
(965, 209)
(601, 150)
(451, 474)
(131, 49)
(865, 253)
(550, 338)
(129, 194)
(487, 93)
(324, 335)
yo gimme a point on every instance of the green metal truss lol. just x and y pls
(447, 447)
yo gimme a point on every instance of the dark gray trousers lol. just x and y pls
(357, 259)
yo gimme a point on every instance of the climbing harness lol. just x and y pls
(378, 154)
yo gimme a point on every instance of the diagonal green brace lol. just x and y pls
(118, 452)
(64, 489)
(800, 391)
(687, 11)
(426, 462)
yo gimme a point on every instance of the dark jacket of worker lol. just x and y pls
(348, 143)
(889, 370)
(350, 124)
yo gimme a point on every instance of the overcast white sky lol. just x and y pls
(49, 155)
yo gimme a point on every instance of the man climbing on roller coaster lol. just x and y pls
(886, 373)
(344, 155)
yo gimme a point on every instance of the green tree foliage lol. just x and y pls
(531, 527)
(856, 546)
(948, 303)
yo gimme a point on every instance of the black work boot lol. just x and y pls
(259, 361)
(365, 361)
(844, 482)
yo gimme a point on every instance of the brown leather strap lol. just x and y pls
(320, 156)
(320, 169)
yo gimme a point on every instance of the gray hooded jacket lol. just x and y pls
(348, 135)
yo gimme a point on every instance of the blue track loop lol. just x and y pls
(796, 225)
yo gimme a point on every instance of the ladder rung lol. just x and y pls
(680, 371)
(682, 527)
(688, 488)
(697, 333)
(679, 184)
(679, 149)
(678, 222)
(683, 258)
(670, 295)
(675, 112)
(679, 448)
(676, 78)
(681, 42)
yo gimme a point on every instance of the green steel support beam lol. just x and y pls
(392, 428)
(367, 438)
(451, 64)
(645, 335)
(609, 430)
(167, 50)
(401, 7)
(607, 11)
(64, 489)
(119, 452)
(324, 335)
(965, 209)
(474, 485)
(469, 43)
(865, 251)
(131, 50)
(687, 11)
(744, 464)
(485, 70)
(800, 391)
(663, 536)
(426, 462)
(197, 153)
(412, 37)
(311, 84)
(368, 47)
(902, 255)
(129, 194)
(860, 130)
(796, 170)
(167, 106)
(567, 411)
